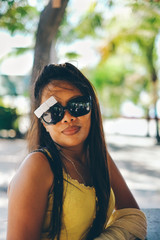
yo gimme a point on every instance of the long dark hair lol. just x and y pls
(38, 138)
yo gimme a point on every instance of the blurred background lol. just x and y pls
(116, 44)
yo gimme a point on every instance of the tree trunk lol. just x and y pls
(155, 99)
(154, 79)
(49, 22)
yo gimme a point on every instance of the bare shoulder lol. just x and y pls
(28, 197)
(34, 169)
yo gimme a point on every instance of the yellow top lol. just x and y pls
(79, 209)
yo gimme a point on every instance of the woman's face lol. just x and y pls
(70, 131)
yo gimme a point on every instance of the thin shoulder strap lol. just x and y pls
(48, 156)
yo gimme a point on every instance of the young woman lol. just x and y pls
(68, 187)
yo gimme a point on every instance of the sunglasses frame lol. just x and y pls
(63, 109)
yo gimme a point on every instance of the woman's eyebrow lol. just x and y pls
(59, 99)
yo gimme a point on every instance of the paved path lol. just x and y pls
(12, 152)
(138, 159)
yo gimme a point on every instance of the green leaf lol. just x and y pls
(72, 55)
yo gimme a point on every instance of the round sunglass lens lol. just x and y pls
(79, 108)
(47, 117)
(57, 113)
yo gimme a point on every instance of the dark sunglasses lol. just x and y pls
(77, 107)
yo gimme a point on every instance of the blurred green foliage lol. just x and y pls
(14, 85)
(18, 15)
(129, 55)
(72, 55)
(125, 35)
(8, 117)
(86, 25)
(90, 22)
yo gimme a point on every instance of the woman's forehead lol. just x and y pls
(58, 89)
(57, 86)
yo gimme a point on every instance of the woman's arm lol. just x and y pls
(123, 196)
(28, 194)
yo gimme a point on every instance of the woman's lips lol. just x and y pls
(71, 130)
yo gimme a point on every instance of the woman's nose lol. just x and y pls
(68, 117)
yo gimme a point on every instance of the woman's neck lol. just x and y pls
(77, 153)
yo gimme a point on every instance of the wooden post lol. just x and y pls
(56, 3)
